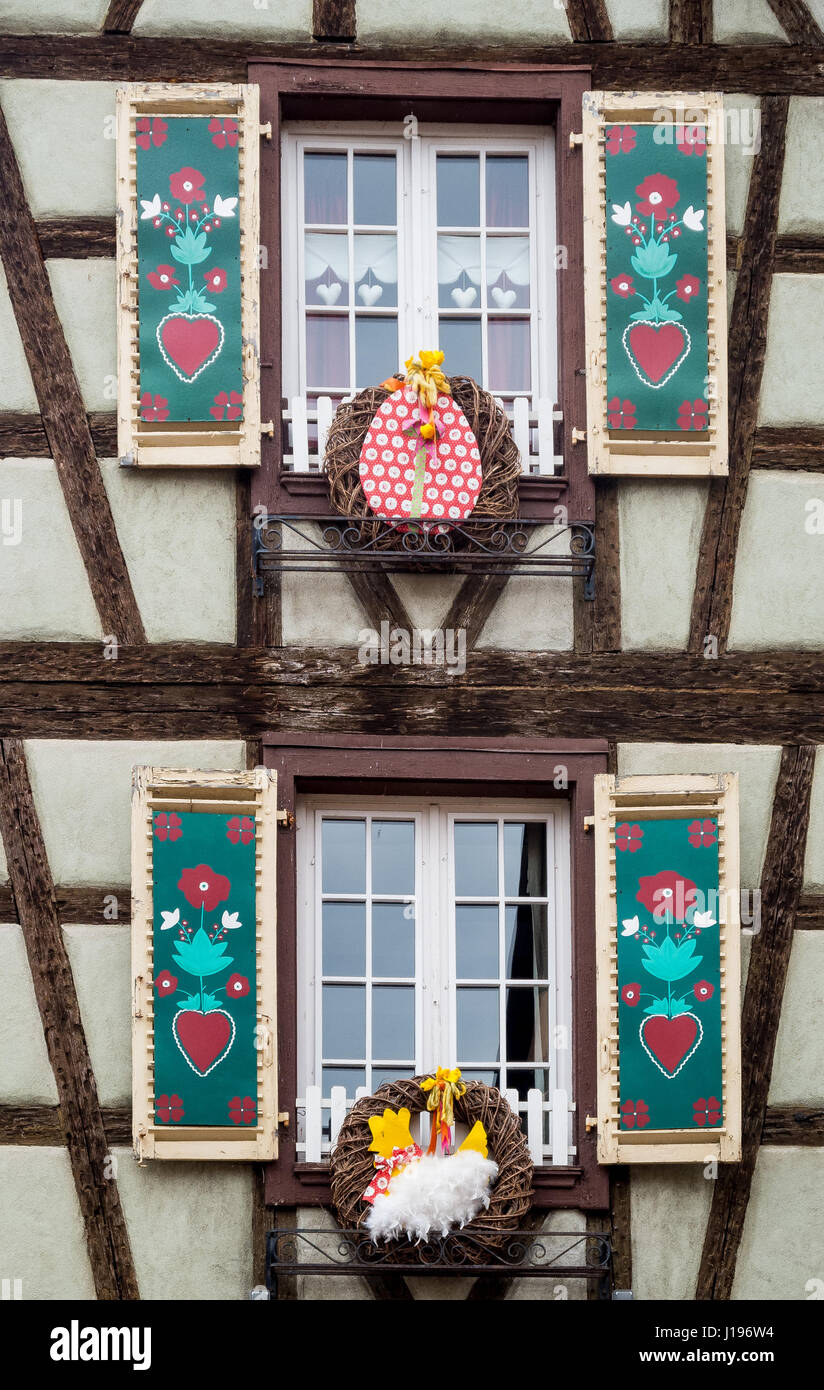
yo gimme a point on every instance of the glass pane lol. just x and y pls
(507, 272)
(393, 1021)
(507, 190)
(327, 352)
(523, 1080)
(460, 340)
(376, 271)
(527, 1025)
(489, 1078)
(324, 178)
(350, 1077)
(393, 940)
(508, 348)
(476, 943)
(459, 190)
(478, 1031)
(525, 859)
(526, 943)
(374, 184)
(344, 939)
(327, 269)
(459, 272)
(344, 856)
(381, 1074)
(344, 1020)
(376, 350)
(476, 859)
(393, 856)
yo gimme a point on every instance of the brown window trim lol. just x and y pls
(396, 765)
(320, 89)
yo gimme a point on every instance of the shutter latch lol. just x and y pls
(286, 820)
(266, 130)
(575, 139)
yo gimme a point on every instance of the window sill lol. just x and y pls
(553, 1187)
(537, 497)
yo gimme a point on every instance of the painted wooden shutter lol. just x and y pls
(668, 968)
(187, 259)
(655, 283)
(203, 961)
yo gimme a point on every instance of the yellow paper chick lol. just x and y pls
(476, 1139)
(390, 1131)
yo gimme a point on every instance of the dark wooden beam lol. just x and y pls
(38, 1125)
(61, 405)
(690, 21)
(334, 19)
(76, 905)
(589, 21)
(794, 1125)
(606, 605)
(790, 447)
(794, 255)
(712, 597)
(76, 238)
(120, 16)
(781, 883)
(22, 434)
(473, 604)
(797, 22)
(380, 601)
(620, 1212)
(31, 882)
(810, 914)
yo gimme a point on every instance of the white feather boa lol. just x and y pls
(433, 1195)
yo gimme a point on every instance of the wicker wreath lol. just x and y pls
(511, 1195)
(500, 459)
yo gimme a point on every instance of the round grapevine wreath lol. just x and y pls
(511, 1195)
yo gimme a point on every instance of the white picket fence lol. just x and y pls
(532, 430)
(313, 1146)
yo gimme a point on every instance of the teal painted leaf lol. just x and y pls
(653, 261)
(670, 962)
(658, 1006)
(190, 1001)
(201, 956)
(679, 1006)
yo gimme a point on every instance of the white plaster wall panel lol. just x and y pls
(742, 141)
(757, 769)
(63, 136)
(42, 1238)
(801, 208)
(660, 530)
(100, 958)
(320, 610)
(561, 1249)
(26, 1077)
(52, 16)
(46, 594)
(4, 871)
(16, 386)
(260, 19)
(779, 569)
(82, 791)
(782, 1247)
(189, 1227)
(745, 21)
(85, 299)
(798, 1067)
(341, 1288)
(639, 19)
(177, 531)
(427, 597)
(531, 615)
(476, 21)
(669, 1209)
(792, 393)
(814, 858)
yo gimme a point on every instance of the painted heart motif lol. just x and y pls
(656, 350)
(464, 299)
(204, 1039)
(330, 294)
(670, 1042)
(189, 343)
(503, 298)
(370, 294)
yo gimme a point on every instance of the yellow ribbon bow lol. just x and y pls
(444, 1088)
(424, 375)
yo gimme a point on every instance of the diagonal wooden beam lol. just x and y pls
(65, 422)
(120, 16)
(690, 21)
(797, 22)
(589, 21)
(30, 877)
(380, 600)
(781, 884)
(712, 597)
(334, 19)
(473, 604)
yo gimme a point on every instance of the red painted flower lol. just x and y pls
(628, 837)
(167, 826)
(227, 406)
(223, 132)
(631, 994)
(620, 414)
(667, 893)
(691, 139)
(163, 278)
(702, 832)
(706, 1112)
(692, 415)
(169, 1108)
(202, 887)
(187, 184)
(153, 407)
(703, 990)
(216, 279)
(237, 986)
(620, 139)
(150, 131)
(634, 1113)
(622, 284)
(687, 287)
(657, 193)
(165, 983)
(242, 830)
(243, 1112)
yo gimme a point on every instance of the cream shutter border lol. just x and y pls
(638, 802)
(213, 794)
(223, 443)
(662, 453)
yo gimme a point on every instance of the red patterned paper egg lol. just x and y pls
(452, 476)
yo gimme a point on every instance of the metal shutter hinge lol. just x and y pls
(283, 1118)
(286, 820)
(265, 129)
(575, 139)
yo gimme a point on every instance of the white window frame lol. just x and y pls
(435, 943)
